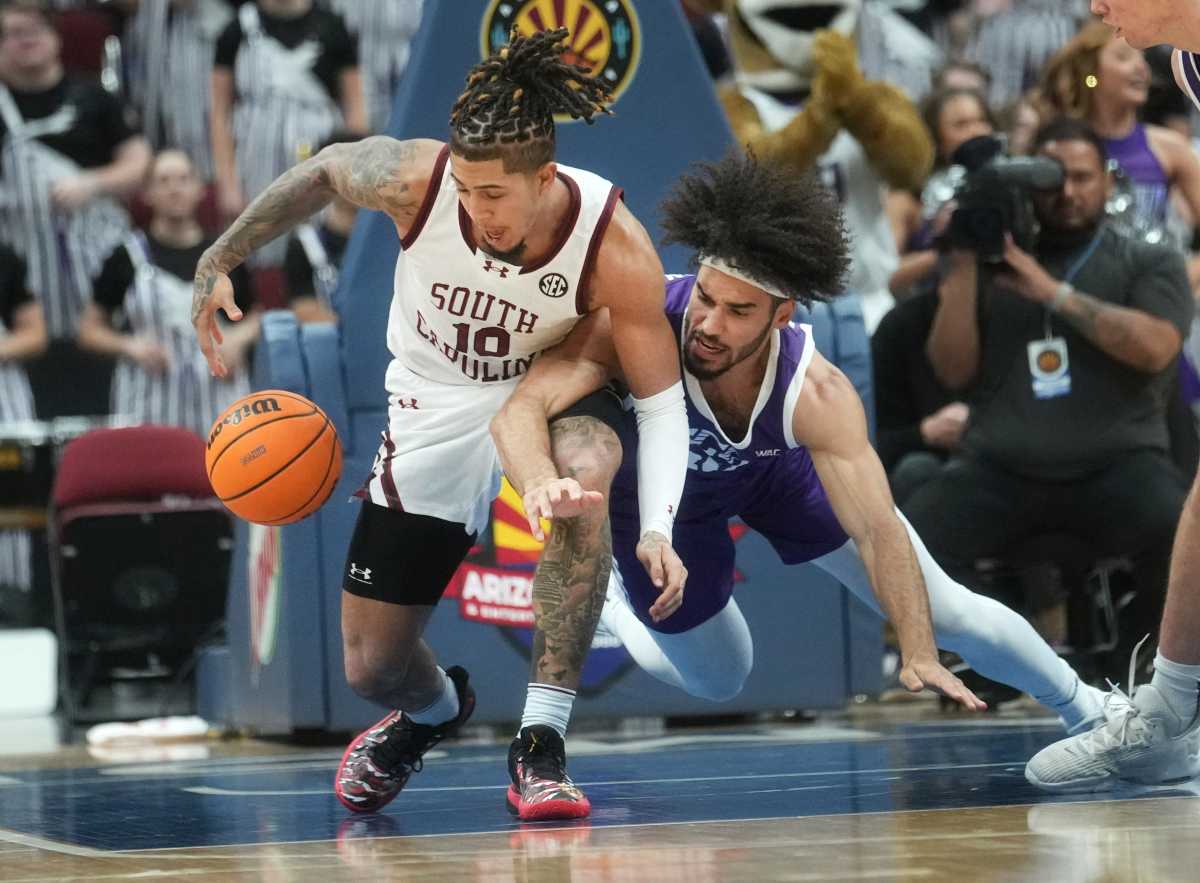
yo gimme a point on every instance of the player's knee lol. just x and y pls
(716, 688)
(720, 684)
(586, 449)
(373, 672)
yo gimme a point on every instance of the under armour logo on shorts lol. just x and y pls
(411, 403)
(362, 574)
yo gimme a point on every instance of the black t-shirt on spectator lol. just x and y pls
(339, 50)
(1112, 408)
(102, 122)
(116, 276)
(14, 293)
(906, 389)
(299, 269)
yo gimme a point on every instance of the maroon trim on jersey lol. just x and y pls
(431, 195)
(464, 224)
(584, 292)
(386, 481)
(563, 233)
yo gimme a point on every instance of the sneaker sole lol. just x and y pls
(551, 810)
(1077, 786)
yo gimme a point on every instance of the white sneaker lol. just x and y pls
(1134, 743)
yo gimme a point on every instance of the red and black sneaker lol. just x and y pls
(541, 788)
(378, 763)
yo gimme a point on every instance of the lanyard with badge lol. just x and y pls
(1049, 363)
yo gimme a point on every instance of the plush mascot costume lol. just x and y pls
(799, 96)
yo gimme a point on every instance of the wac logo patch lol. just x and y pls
(605, 36)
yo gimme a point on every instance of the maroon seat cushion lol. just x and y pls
(142, 463)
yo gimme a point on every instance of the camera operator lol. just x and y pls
(1066, 339)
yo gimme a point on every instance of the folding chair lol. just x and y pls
(139, 557)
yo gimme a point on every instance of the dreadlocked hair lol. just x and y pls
(507, 109)
(780, 229)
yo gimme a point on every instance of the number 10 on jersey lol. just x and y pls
(491, 341)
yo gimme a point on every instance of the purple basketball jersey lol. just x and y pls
(763, 478)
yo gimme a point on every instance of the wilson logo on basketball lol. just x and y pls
(258, 406)
(553, 285)
(605, 36)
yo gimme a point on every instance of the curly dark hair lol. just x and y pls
(507, 109)
(782, 229)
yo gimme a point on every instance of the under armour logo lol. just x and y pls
(361, 574)
(502, 270)
(411, 403)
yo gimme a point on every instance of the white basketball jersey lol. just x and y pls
(459, 316)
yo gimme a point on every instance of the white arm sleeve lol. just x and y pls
(662, 457)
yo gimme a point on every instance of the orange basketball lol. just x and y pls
(273, 457)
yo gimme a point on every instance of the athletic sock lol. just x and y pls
(1179, 686)
(548, 705)
(1081, 702)
(442, 709)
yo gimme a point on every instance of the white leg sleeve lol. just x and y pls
(994, 640)
(710, 661)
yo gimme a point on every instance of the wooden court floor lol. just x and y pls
(839, 799)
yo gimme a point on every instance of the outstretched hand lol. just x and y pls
(929, 674)
(212, 291)
(557, 498)
(666, 571)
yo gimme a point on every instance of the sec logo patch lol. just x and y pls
(553, 285)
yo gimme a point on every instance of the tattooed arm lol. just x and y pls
(378, 173)
(1132, 336)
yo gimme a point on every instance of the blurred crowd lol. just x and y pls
(1034, 378)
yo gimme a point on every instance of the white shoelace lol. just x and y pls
(1115, 731)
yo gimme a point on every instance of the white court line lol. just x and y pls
(34, 842)
(232, 792)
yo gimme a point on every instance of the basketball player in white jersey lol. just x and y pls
(1152, 735)
(502, 252)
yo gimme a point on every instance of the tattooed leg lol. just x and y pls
(572, 575)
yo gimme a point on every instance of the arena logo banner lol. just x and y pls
(604, 34)
(265, 569)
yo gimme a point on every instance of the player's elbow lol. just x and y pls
(1160, 351)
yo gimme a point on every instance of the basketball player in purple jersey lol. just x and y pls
(1150, 735)
(503, 251)
(779, 439)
